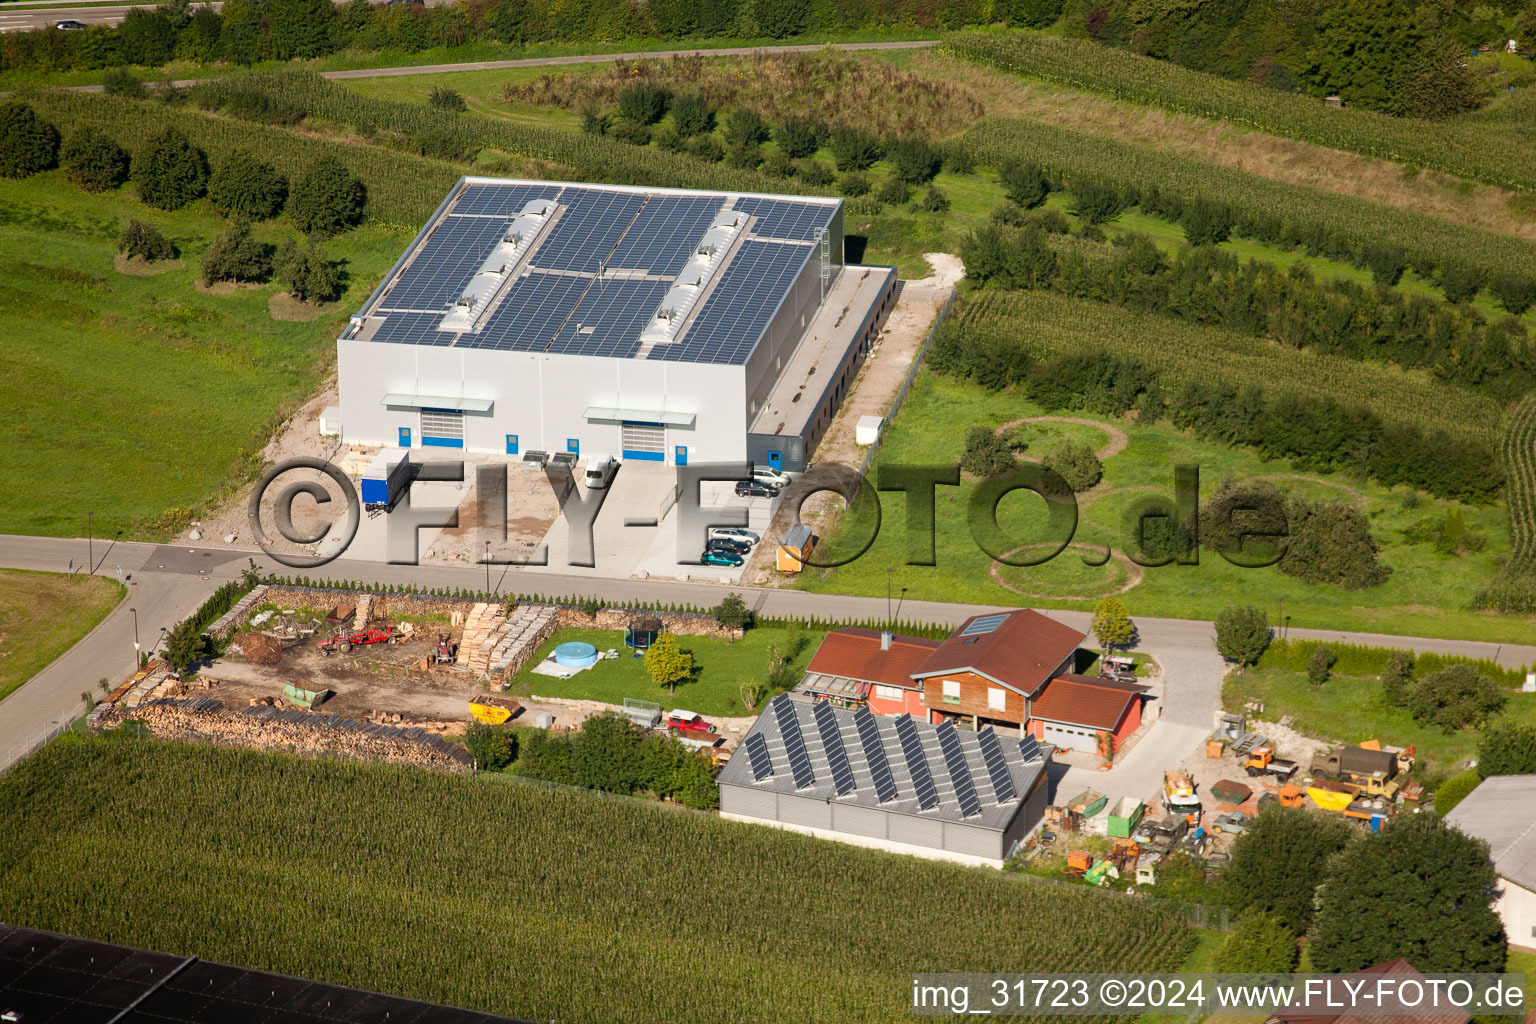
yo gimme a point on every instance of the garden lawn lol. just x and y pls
(43, 614)
(720, 667)
(1349, 709)
(1426, 595)
(142, 398)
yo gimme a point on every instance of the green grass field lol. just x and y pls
(145, 397)
(510, 898)
(720, 667)
(43, 614)
(1425, 596)
(1348, 709)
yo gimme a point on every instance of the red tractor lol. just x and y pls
(444, 650)
(343, 640)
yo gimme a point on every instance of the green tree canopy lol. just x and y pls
(1454, 697)
(93, 161)
(1242, 634)
(1277, 863)
(732, 612)
(492, 746)
(1112, 625)
(169, 172)
(1259, 944)
(309, 274)
(28, 144)
(1507, 748)
(667, 663)
(236, 256)
(326, 199)
(1418, 889)
(244, 186)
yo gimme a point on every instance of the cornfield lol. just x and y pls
(1354, 225)
(1520, 491)
(1465, 150)
(1049, 325)
(484, 893)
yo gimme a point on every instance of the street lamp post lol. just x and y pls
(135, 612)
(1280, 616)
(90, 546)
(487, 567)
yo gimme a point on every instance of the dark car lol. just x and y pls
(755, 489)
(69, 26)
(713, 557)
(735, 547)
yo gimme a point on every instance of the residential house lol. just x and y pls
(1072, 711)
(1502, 811)
(856, 667)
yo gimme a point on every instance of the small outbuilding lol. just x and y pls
(795, 548)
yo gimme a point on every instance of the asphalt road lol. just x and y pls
(166, 582)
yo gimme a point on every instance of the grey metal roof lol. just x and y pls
(1502, 810)
(598, 271)
(961, 775)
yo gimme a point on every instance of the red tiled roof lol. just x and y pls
(1020, 653)
(854, 653)
(1079, 700)
(1301, 1015)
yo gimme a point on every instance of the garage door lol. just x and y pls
(646, 442)
(1070, 737)
(442, 428)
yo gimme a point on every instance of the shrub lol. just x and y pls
(1024, 184)
(894, 191)
(746, 155)
(308, 273)
(707, 148)
(1330, 542)
(28, 144)
(1097, 202)
(1259, 944)
(934, 201)
(1460, 281)
(1516, 294)
(669, 138)
(1387, 263)
(632, 132)
(778, 163)
(169, 172)
(854, 150)
(914, 160)
(1396, 676)
(141, 241)
(444, 98)
(1507, 748)
(854, 184)
(1456, 789)
(594, 121)
(692, 115)
(326, 199)
(814, 172)
(1240, 517)
(247, 188)
(236, 256)
(986, 454)
(957, 157)
(642, 103)
(1454, 697)
(780, 19)
(1320, 666)
(121, 82)
(93, 161)
(799, 137)
(1077, 464)
(493, 746)
(1242, 633)
(1207, 223)
(745, 127)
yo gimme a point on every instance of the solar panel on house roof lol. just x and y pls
(917, 762)
(983, 624)
(1030, 749)
(997, 766)
(628, 232)
(874, 754)
(794, 741)
(832, 744)
(758, 756)
(959, 771)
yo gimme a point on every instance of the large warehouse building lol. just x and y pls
(899, 784)
(653, 324)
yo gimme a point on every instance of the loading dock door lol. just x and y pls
(442, 428)
(645, 442)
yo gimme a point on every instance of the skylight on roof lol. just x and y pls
(984, 624)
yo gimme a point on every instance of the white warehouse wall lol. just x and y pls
(540, 397)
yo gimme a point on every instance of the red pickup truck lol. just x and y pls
(687, 721)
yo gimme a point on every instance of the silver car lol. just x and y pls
(733, 533)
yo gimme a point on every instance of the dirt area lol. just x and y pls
(871, 394)
(531, 510)
(283, 306)
(136, 266)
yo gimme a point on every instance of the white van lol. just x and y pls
(600, 469)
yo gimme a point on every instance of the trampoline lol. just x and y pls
(576, 654)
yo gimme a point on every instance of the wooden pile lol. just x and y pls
(484, 627)
(266, 727)
(364, 610)
(529, 627)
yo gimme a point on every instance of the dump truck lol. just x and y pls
(1125, 817)
(385, 479)
(1179, 796)
(1332, 796)
(1262, 761)
(1374, 771)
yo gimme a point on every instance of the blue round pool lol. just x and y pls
(576, 654)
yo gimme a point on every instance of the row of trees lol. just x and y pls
(247, 31)
(1254, 297)
(1252, 522)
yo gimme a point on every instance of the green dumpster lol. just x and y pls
(1125, 817)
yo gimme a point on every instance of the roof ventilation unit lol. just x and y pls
(500, 266)
(690, 283)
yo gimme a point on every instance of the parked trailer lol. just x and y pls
(385, 479)
(1125, 817)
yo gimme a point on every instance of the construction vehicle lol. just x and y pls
(1179, 796)
(341, 641)
(1288, 796)
(443, 651)
(1375, 772)
(1160, 834)
(1262, 761)
(493, 710)
(1332, 796)
(1371, 814)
